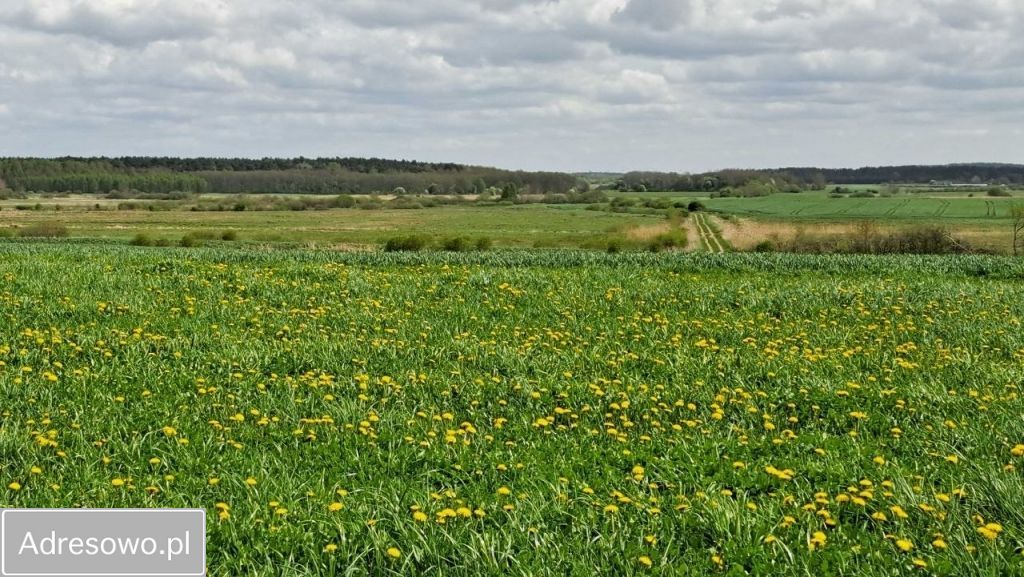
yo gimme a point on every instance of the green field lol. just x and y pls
(526, 413)
(981, 222)
(951, 207)
(515, 226)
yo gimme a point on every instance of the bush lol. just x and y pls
(143, 239)
(484, 243)
(997, 191)
(764, 246)
(229, 235)
(44, 230)
(869, 239)
(7, 233)
(614, 246)
(189, 240)
(456, 244)
(410, 243)
(667, 240)
(695, 206)
(658, 203)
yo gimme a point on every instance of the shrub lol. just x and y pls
(229, 235)
(484, 243)
(189, 240)
(143, 239)
(695, 206)
(658, 203)
(614, 246)
(7, 233)
(764, 246)
(456, 244)
(667, 240)
(997, 191)
(44, 230)
(410, 243)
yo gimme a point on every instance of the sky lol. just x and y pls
(574, 85)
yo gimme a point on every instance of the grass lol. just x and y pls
(509, 226)
(525, 413)
(982, 220)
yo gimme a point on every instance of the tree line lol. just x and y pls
(269, 175)
(795, 179)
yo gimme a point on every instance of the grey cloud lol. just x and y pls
(566, 84)
(657, 14)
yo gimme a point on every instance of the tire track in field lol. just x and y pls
(707, 236)
(897, 207)
(852, 207)
(943, 207)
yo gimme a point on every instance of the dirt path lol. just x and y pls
(707, 235)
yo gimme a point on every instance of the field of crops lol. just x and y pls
(526, 413)
(924, 207)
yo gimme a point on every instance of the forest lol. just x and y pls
(337, 175)
(795, 179)
(271, 175)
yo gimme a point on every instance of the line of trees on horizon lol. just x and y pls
(282, 176)
(336, 175)
(795, 179)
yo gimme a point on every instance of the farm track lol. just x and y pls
(942, 208)
(849, 208)
(707, 235)
(897, 208)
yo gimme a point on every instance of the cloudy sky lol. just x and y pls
(682, 85)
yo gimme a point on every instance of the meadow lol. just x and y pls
(629, 221)
(524, 226)
(526, 412)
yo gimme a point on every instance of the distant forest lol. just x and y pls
(761, 181)
(270, 175)
(126, 175)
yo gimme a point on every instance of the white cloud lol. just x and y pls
(566, 84)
